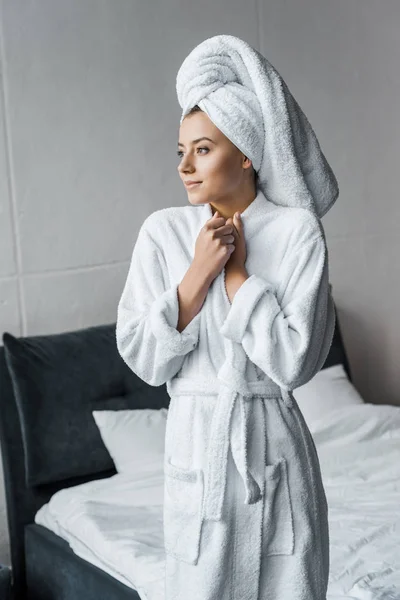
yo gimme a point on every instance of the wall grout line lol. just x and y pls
(68, 270)
(9, 178)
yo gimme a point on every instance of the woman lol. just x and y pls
(227, 302)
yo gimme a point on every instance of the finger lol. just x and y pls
(233, 222)
(238, 222)
(216, 220)
(229, 221)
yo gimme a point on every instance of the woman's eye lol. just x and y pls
(180, 153)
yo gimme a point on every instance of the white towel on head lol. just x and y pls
(247, 99)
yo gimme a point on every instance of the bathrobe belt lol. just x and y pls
(245, 397)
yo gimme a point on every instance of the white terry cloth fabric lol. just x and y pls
(245, 513)
(247, 99)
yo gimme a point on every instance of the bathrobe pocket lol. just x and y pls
(183, 499)
(278, 530)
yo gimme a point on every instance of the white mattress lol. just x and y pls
(116, 523)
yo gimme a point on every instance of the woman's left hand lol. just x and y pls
(238, 257)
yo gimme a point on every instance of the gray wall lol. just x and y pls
(89, 124)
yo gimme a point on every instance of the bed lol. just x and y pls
(54, 456)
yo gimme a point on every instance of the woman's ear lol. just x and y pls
(246, 163)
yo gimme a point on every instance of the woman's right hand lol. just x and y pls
(214, 246)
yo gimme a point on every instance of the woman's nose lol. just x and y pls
(185, 166)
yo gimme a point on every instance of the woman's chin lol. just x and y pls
(194, 197)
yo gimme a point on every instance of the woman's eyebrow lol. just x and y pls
(198, 140)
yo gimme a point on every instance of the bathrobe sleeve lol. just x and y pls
(147, 317)
(287, 332)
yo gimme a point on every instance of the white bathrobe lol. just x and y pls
(245, 512)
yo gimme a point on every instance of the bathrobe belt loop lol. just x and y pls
(225, 429)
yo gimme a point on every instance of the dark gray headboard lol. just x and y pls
(48, 387)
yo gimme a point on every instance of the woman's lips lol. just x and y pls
(192, 185)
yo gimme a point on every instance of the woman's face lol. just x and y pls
(219, 165)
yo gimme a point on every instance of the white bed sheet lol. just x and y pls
(116, 523)
(359, 451)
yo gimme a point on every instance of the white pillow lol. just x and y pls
(328, 390)
(134, 438)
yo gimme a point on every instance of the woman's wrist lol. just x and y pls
(192, 292)
(235, 276)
